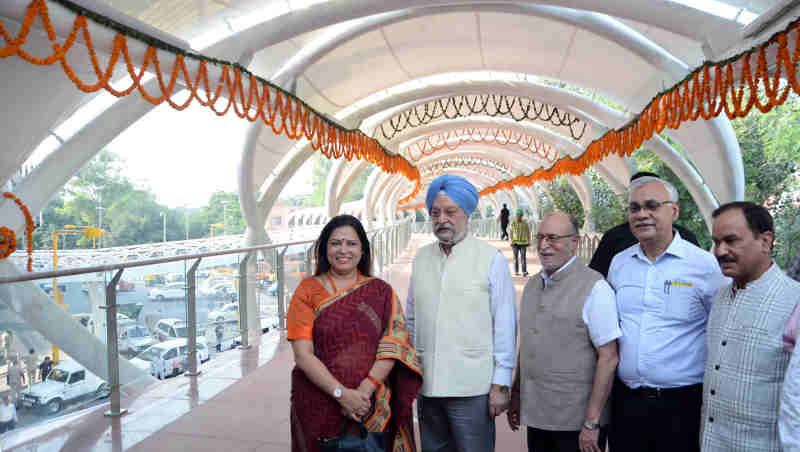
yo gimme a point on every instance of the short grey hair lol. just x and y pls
(671, 190)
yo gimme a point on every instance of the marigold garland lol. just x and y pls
(705, 93)
(455, 138)
(251, 97)
(8, 240)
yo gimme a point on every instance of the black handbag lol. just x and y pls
(364, 441)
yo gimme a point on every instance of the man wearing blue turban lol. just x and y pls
(461, 315)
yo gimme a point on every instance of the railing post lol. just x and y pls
(245, 343)
(281, 277)
(379, 247)
(191, 313)
(112, 346)
(309, 253)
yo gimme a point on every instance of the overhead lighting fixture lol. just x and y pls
(720, 9)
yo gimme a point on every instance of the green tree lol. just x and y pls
(48, 222)
(356, 190)
(319, 177)
(224, 208)
(608, 207)
(135, 218)
(562, 197)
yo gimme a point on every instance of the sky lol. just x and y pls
(200, 156)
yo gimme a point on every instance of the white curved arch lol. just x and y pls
(264, 35)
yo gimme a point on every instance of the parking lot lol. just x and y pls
(76, 298)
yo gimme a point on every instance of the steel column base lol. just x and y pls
(110, 413)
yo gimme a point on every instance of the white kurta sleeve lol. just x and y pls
(503, 301)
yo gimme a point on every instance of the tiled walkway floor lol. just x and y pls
(239, 403)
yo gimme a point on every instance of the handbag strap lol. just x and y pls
(362, 429)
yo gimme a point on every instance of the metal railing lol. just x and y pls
(386, 244)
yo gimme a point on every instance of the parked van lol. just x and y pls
(172, 328)
(169, 358)
(134, 339)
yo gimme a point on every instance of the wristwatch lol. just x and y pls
(589, 425)
(337, 393)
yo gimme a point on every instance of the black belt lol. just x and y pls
(648, 392)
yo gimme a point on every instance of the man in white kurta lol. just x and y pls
(747, 360)
(789, 416)
(461, 314)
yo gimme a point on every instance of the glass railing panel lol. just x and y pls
(42, 387)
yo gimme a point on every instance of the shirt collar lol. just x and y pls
(441, 251)
(764, 281)
(676, 248)
(546, 279)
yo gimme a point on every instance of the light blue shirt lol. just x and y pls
(663, 308)
(502, 299)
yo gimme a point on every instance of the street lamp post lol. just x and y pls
(225, 215)
(164, 221)
(86, 231)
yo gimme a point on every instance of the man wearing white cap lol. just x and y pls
(461, 314)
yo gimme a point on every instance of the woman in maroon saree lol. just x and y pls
(349, 337)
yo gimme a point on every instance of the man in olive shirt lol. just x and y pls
(520, 239)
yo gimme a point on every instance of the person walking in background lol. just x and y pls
(520, 239)
(219, 330)
(747, 361)
(45, 367)
(504, 217)
(31, 367)
(8, 415)
(462, 315)
(15, 378)
(664, 287)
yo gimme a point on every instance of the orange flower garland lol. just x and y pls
(453, 139)
(8, 240)
(252, 98)
(705, 93)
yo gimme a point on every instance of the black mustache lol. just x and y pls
(726, 260)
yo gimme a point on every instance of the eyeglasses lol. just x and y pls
(551, 237)
(649, 205)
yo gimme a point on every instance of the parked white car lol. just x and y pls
(169, 358)
(172, 328)
(227, 313)
(135, 339)
(171, 290)
(66, 381)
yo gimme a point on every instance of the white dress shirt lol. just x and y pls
(502, 299)
(8, 412)
(789, 415)
(599, 312)
(663, 308)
